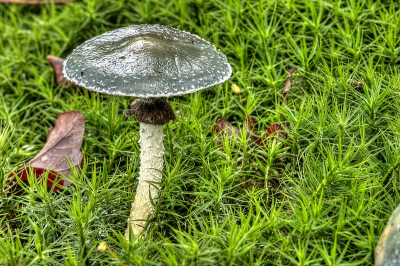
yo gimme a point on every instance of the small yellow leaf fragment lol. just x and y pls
(235, 88)
(102, 247)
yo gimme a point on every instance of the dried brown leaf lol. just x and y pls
(62, 148)
(58, 66)
(288, 84)
(250, 123)
(224, 127)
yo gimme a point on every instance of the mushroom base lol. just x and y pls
(150, 173)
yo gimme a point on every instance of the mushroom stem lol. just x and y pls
(151, 163)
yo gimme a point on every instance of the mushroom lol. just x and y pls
(149, 62)
(387, 252)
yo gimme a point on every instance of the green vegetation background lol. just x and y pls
(322, 197)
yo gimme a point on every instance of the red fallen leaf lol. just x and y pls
(288, 84)
(63, 144)
(58, 66)
(272, 129)
(35, 2)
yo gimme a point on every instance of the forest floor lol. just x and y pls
(321, 195)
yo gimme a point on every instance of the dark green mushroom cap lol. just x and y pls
(147, 61)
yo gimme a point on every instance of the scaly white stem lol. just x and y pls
(151, 163)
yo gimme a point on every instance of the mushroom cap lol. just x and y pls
(387, 250)
(147, 61)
